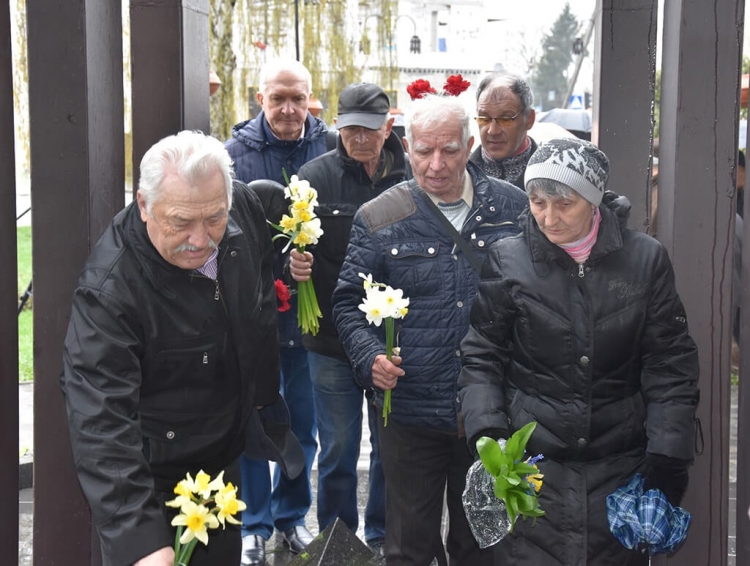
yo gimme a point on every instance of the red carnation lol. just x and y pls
(283, 295)
(455, 85)
(419, 88)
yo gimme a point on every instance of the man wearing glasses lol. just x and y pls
(505, 113)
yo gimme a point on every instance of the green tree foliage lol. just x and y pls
(551, 73)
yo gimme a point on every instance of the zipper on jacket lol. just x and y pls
(217, 296)
(580, 271)
(205, 357)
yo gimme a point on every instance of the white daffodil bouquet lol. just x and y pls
(383, 302)
(302, 228)
(204, 504)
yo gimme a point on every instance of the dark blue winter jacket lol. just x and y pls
(258, 154)
(398, 240)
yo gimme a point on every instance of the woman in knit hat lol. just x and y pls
(577, 325)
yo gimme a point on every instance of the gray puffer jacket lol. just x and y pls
(600, 357)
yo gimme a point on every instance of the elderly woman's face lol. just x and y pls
(563, 220)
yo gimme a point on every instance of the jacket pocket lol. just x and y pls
(173, 438)
(414, 267)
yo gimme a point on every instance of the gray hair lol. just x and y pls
(269, 70)
(549, 188)
(516, 84)
(192, 155)
(433, 109)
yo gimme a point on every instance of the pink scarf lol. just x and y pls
(581, 250)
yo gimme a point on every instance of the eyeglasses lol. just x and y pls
(501, 121)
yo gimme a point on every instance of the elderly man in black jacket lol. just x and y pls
(368, 159)
(171, 345)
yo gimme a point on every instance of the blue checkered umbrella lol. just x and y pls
(646, 520)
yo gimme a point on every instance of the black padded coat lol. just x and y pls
(600, 357)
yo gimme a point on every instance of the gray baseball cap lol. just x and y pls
(363, 104)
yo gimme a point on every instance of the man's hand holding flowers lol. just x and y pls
(385, 372)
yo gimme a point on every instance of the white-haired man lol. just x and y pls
(282, 137)
(171, 345)
(401, 238)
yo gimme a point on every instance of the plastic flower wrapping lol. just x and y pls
(454, 85)
(501, 486)
(384, 303)
(204, 504)
(302, 228)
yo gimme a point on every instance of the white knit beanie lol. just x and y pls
(576, 163)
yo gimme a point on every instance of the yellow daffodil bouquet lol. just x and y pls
(204, 504)
(383, 302)
(517, 481)
(302, 228)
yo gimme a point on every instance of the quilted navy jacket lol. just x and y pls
(398, 240)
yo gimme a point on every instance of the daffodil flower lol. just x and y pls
(383, 302)
(196, 519)
(205, 486)
(184, 491)
(368, 280)
(228, 505)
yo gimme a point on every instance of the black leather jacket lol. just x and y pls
(162, 369)
(343, 186)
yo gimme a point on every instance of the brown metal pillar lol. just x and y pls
(698, 149)
(8, 304)
(169, 54)
(625, 52)
(77, 182)
(742, 532)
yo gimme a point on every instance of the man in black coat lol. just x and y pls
(369, 158)
(171, 346)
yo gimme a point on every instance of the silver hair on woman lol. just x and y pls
(433, 109)
(193, 156)
(548, 189)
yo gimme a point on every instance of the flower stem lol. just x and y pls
(389, 328)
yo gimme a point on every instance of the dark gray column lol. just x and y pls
(77, 185)
(8, 302)
(169, 54)
(742, 532)
(698, 151)
(625, 49)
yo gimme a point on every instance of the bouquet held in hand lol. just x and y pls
(502, 486)
(383, 302)
(302, 228)
(204, 504)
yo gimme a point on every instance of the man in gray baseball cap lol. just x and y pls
(368, 159)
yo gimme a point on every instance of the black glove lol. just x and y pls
(669, 475)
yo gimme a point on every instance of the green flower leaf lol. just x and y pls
(491, 455)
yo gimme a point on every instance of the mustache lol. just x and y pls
(188, 248)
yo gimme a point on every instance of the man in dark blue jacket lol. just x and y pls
(282, 137)
(402, 240)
